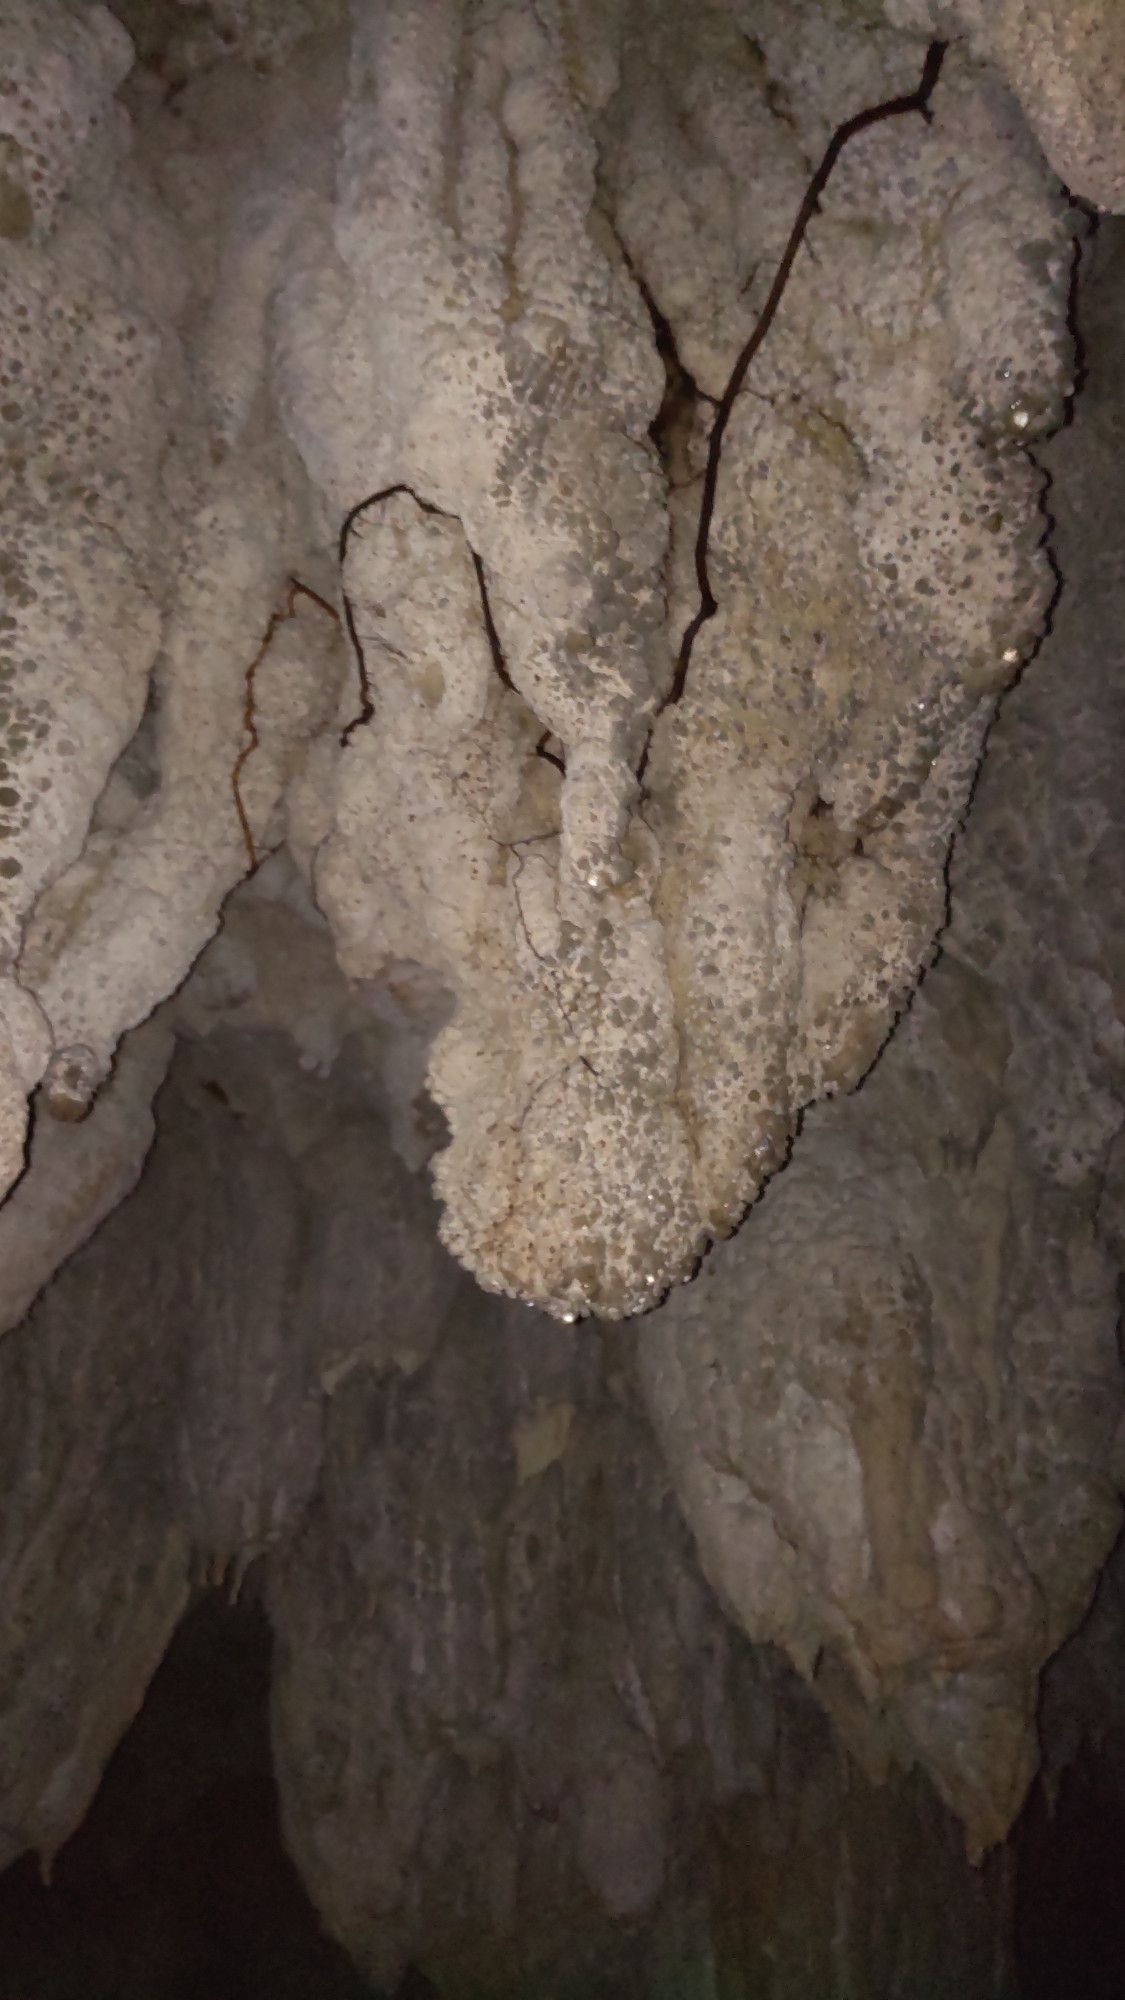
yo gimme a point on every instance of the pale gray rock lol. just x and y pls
(893, 1409)
(380, 549)
(1066, 64)
(510, 1711)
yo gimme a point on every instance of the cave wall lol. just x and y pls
(901, 1455)
(393, 489)
(513, 1566)
(516, 1742)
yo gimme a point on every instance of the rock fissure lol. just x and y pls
(496, 651)
(493, 253)
(296, 590)
(347, 527)
(916, 101)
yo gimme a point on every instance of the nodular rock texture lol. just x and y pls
(431, 309)
(898, 1464)
(515, 1735)
(1064, 62)
(517, 1742)
(381, 484)
(901, 1453)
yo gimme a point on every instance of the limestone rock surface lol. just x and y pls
(146, 513)
(363, 368)
(649, 982)
(519, 1748)
(1065, 61)
(895, 1409)
(518, 1745)
(384, 456)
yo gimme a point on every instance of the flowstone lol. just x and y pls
(1065, 62)
(674, 900)
(414, 343)
(476, 458)
(148, 525)
(894, 1408)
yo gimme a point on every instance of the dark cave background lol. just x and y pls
(178, 1883)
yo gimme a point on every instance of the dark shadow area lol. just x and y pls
(1070, 1838)
(177, 1885)
(1070, 1911)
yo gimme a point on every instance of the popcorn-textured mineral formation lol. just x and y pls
(638, 711)
(1065, 60)
(893, 1406)
(670, 914)
(473, 455)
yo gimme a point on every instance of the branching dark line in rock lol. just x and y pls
(529, 839)
(556, 1076)
(497, 651)
(775, 94)
(682, 393)
(134, 561)
(366, 700)
(249, 710)
(894, 107)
